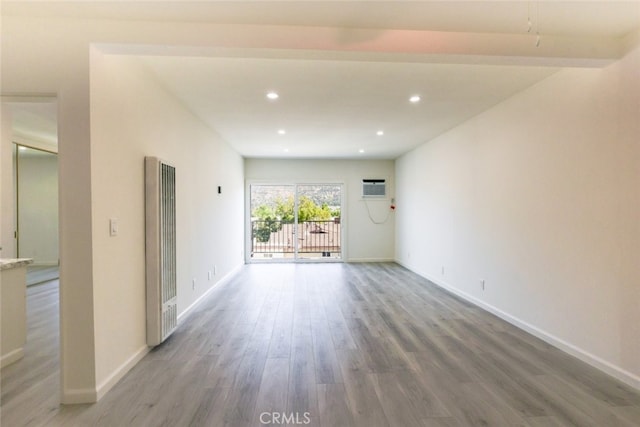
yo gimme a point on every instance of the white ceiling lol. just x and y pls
(345, 70)
(335, 108)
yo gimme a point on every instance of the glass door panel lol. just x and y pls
(319, 229)
(273, 225)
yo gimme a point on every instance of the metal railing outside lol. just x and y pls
(273, 238)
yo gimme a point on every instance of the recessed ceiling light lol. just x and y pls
(273, 96)
(281, 131)
(414, 98)
(286, 150)
(361, 151)
(380, 133)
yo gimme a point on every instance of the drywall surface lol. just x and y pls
(540, 197)
(133, 117)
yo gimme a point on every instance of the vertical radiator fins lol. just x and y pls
(160, 230)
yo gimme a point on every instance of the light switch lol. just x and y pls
(113, 226)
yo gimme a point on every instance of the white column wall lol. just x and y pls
(7, 186)
(133, 117)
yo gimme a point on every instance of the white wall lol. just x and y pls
(37, 64)
(38, 206)
(540, 197)
(364, 240)
(133, 117)
(7, 186)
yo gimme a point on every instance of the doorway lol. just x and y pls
(295, 222)
(29, 223)
(36, 172)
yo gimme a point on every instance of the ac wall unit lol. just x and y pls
(160, 230)
(372, 188)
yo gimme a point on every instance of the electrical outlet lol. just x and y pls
(209, 275)
(482, 284)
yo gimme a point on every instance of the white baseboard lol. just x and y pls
(77, 396)
(122, 370)
(370, 260)
(44, 264)
(607, 367)
(182, 316)
(11, 357)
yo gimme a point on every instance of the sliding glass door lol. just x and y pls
(295, 222)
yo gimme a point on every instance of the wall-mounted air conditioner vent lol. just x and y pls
(374, 188)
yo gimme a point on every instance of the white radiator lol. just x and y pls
(160, 217)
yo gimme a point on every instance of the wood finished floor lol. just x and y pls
(39, 274)
(336, 344)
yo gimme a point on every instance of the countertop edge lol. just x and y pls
(9, 263)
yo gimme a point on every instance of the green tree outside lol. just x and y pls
(271, 218)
